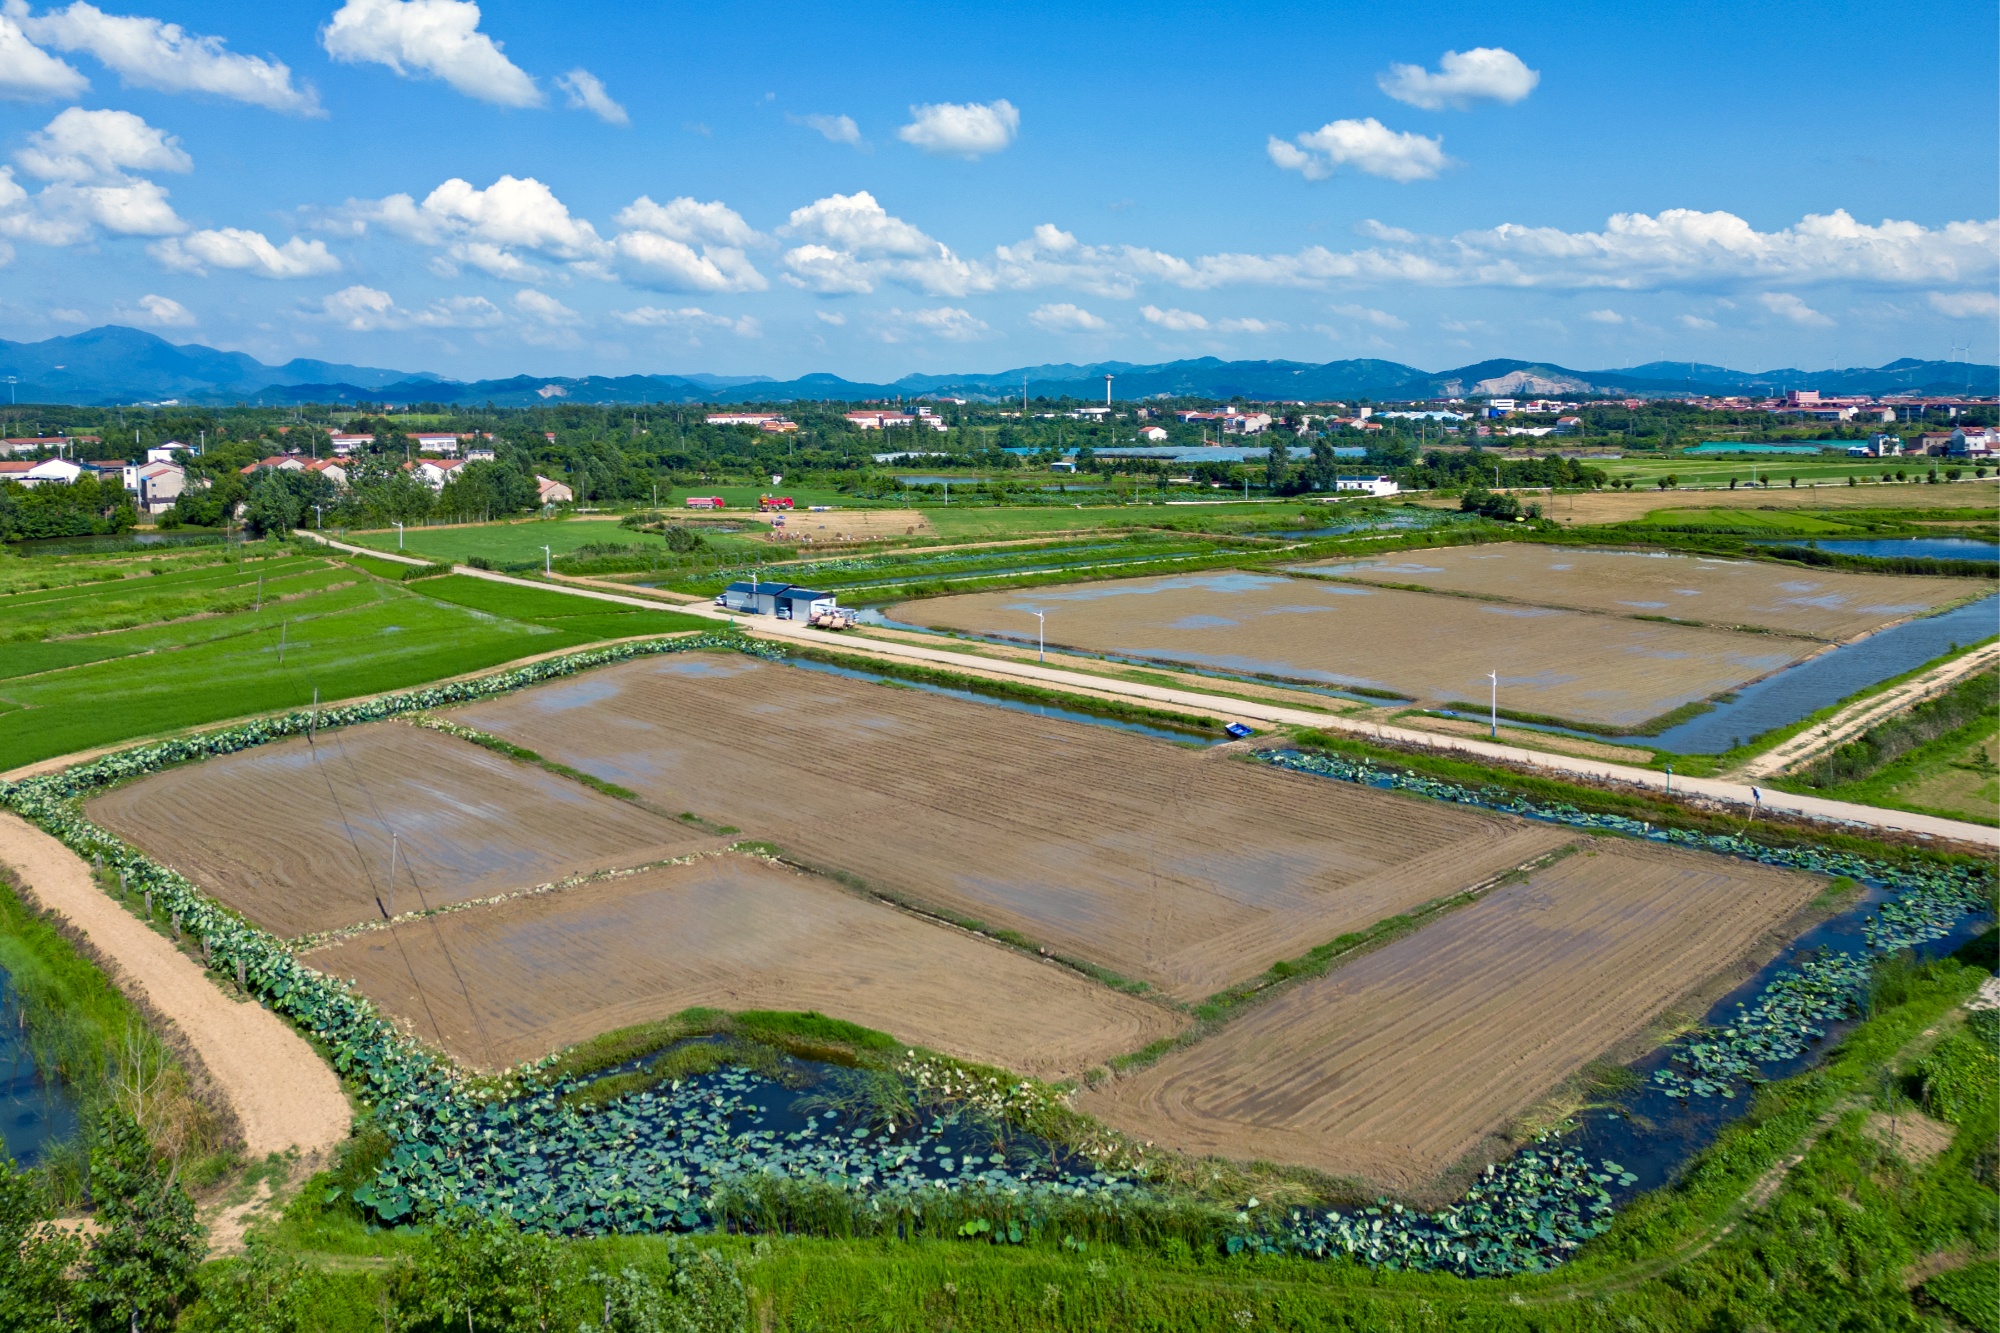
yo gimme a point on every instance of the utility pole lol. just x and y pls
(1494, 676)
(548, 563)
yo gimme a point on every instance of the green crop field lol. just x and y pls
(503, 543)
(343, 633)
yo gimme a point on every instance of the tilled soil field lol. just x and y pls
(512, 981)
(1825, 604)
(1624, 506)
(296, 836)
(1436, 649)
(1396, 1066)
(1186, 869)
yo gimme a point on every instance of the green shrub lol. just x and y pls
(1963, 1072)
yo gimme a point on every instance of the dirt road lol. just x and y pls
(283, 1095)
(1846, 725)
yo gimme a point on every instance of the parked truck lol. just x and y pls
(769, 503)
(705, 502)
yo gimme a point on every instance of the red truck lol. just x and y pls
(766, 503)
(704, 502)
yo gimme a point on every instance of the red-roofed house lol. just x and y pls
(277, 462)
(552, 492)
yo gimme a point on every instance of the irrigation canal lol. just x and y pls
(35, 1112)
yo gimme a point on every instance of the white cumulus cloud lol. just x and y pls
(1180, 321)
(30, 74)
(1604, 317)
(245, 251)
(1367, 145)
(851, 243)
(366, 309)
(687, 245)
(1965, 305)
(151, 53)
(81, 145)
(1064, 317)
(440, 38)
(162, 311)
(967, 130)
(586, 93)
(1788, 306)
(1695, 322)
(1483, 74)
(835, 129)
(489, 229)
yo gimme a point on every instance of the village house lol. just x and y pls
(552, 492)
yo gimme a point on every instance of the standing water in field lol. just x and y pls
(1798, 692)
(35, 1113)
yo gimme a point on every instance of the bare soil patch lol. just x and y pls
(296, 836)
(1568, 664)
(732, 932)
(846, 525)
(1831, 605)
(1154, 860)
(1398, 1065)
(1540, 740)
(1911, 1135)
(1623, 506)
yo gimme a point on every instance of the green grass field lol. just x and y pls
(350, 635)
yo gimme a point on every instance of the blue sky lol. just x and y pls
(871, 189)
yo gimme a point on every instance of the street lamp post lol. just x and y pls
(548, 563)
(1494, 676)
(399, 533)
(1041, 635)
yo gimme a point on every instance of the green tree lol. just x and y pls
(142, 1266)
(35, 1294)
(1277, 460)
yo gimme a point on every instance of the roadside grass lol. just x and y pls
(30, 573)
(83, 1034)
(1939, 758)
(559, 610)
(99, 608)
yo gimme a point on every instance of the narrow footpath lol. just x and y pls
(1716, 789)
(283, 1094)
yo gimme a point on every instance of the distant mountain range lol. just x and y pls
(115, 365)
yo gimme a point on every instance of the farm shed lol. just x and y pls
(783, 600)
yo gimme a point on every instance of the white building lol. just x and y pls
(435, 444)
(1377, 486)
(156, 484)
(1153, 434)
(1245, 423)
(741, 418)
(552, 492)
(61, 471)
(1974, 442)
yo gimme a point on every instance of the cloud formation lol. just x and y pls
(161, 311)
(1367, 145)
(440, 38)
(150, 53)
(1064, 317)
(85, 156)
(367, 309)
(851, 243)
(952, 323)
(687, 317)
(1787, 305)
(1483, 74)
(30, 74)
(835, 129)
(1179, 321)
(490, 229)
(586, 93)
(967, 130)
(245, 251)
(1381, 319)
(1965, 305)
(686, 245)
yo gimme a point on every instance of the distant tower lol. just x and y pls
(1107, 391)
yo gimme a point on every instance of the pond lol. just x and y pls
(1799, 691)
(35, 1113)
(1908, 548)
(111, 543)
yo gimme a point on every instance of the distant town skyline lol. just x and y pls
(484, 190)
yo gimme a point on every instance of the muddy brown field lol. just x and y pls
(1395, 1067)
(1435, 649)
(297, 836)
(1714, 590)
(1624, 506)
(511, 981)
(1187, 869)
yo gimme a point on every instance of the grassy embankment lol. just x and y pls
(1940, 758)
(212, 652)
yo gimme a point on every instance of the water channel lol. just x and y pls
(35, 1113)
